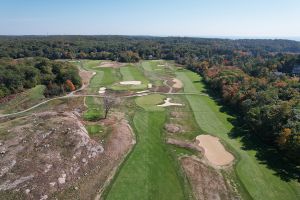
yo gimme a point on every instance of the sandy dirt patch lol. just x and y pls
(149, 85)
(168, 103)
(177, 84)
(111, 64)
(214, 151)
(102, 90)
(117, 145)
(185, 144)
(207, 183)
(86, 76)
(173, 128)
(141, 92)
(131, 83)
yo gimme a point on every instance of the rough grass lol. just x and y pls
(94, 129)
(95, 109)
(259, 180)
(24, 100)
(150, 172)
(150, 102)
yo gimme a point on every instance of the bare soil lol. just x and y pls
(117, 145)
(177, 83)
(50, 154)
(173, 128)
(112, 64)
(86, 76)
(185, 144)
(45, 154)
(207, 183)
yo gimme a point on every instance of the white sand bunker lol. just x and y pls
(102, 90)
(160, 65)
(94, 73)
(168, 103)
(141, 92)
(177, 83)
(214, 151)
(149, 85)
(131, 83)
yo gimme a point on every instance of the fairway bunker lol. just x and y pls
(102, 90)
(131, 83)
(111, 64)
(214, 151)
(177, 83)
(168, 103)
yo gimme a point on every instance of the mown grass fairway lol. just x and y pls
(149, 172)
(257, 178)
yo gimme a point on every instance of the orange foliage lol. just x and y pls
(70, 85)
(286, 132)
(280, 84)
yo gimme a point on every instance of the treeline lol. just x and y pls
(269, 104)
(130, 49)
(16, 75)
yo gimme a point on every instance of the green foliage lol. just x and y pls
(18, 75)
(256, 176)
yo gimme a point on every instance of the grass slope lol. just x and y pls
(257, 178)
(150, 171)
(24, 100)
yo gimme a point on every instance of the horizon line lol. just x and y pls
(231, 37)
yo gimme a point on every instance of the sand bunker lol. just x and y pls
(168, 103)
(214, 151)
(160, 65)
(177, 83)
(141, 92)
(111, 64)
(131, 83)
(102, 90)
(149, 85)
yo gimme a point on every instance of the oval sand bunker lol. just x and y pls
(214, 151)
(131, 82)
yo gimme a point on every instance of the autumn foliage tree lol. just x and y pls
(70, 85)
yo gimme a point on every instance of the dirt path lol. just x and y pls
(90, 95)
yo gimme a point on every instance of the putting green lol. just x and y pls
(150, 102)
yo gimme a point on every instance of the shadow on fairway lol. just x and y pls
(265, 153)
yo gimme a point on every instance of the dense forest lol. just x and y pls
(254, 77)
(16, 75)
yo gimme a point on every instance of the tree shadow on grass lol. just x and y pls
(266, 154)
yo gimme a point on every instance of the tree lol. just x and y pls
(70, 85)
(108, 103)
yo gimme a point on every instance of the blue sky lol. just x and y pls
(245, 18)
